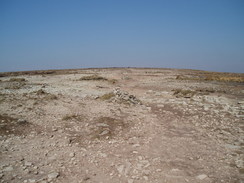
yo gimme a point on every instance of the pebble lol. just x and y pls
(202, 176)
(136, 145)
(71, 154)
(21, 121)
(102, 125)
(146, 172)
(32, 180)
(28, 163)
(26, 171)
(145, 178)
(105, 132)
(120, 169)
(103, 155)
(8, 169)
(140, 157)
(43, 181)
(175, 170)
(53, 175)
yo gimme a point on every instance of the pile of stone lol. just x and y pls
(124, 97)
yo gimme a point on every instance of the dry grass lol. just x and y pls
(93, 78)
(181, 77)
(17, 79)
(107, 96)
(50, 97)
(184, 93)
(15, 86)
(9, 125)
(40, 92)
(69, 117)
(224, 78)
(113, 81)
(41, 95)
(97, 78)
(72, 116)
(205, 91)
(14, 83)
(213, 76)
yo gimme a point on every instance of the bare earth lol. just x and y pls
(148, 127)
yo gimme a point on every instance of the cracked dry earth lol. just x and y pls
(58, 128)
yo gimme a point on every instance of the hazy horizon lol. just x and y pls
(87, 68)
(194, 34)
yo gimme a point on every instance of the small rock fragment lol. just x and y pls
(103, 155)
(53, 175)
(120, 169)
(145, 177)
(43, 181)
(21, 121)
(102, 125)
(8, 169)
(32, 180)
(71, 154)
(202, 176)
(136, 145)
(105, 132)
(28, 163)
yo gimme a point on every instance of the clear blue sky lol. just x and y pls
(58, 34)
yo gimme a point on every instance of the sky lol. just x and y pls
(64, 34)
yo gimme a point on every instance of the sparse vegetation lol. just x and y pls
(203, 91)
(113, 81)
(213, 76)
(44, 96)
(109, 126)
(15, 86)
(10, 125)
(184, 93)
(40, 92)
(181, 77)
(17, 79)
(14, 83)
(68, 117)
(93, 78)
(224, 78)
(51, 97)
(97, 78)
(107, 96)
(72, 116)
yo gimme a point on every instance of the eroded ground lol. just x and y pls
(121, 125)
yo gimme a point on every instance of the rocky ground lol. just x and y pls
(120, 125)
